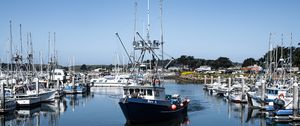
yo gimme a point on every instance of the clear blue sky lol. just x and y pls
(207, 29)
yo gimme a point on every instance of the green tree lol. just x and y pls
(249, 62)
(222, 62)
(83, 67)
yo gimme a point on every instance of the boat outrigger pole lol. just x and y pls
(124, 47)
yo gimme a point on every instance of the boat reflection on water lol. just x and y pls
(180, 121)
(108, 91)
(32, 116)
(78, 99)
(6, 119)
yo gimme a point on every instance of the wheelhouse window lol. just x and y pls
(156, 93)
(130, 91)
(125, 91)
(149, 92)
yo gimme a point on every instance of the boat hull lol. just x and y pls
(32, 100)
(142, 110)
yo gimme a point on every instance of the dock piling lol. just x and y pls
(204, 79)
(295, 99)
(229, 85)
(2, 96)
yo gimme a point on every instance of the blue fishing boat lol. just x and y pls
(148, 103)
(77, 88)
(144, 100)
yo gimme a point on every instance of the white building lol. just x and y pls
(203, 69)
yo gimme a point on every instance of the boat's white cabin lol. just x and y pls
(146, 92)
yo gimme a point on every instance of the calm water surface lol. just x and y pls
(100, 108)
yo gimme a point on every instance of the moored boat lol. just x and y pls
(147, 103)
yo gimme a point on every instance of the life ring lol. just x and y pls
(281, 96)
(157, 81)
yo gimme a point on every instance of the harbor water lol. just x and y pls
(100, 108)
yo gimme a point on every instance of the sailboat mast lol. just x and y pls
(291, 55)
(281, 56)
(10, 46)
(270, 57)
(54, 51)
(21, 39)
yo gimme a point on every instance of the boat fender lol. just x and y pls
(187, 100)
(156, 81)
(173, 107)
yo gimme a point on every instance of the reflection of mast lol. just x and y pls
(242, 114)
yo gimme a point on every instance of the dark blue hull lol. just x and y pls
(137, 110)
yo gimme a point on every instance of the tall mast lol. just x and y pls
(281, 56)
(49, 47)
(10, 46)
(21, 53)
(161, 32)
(148, 26)
(270, 56)
(291, 55)
(134, 34)
(54, 51)
(134, 27)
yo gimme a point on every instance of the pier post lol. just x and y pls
(73, 81)
(204, 79)
(295, 99)
(2, 96)
(57, 84)
(219, 79)
(229, 85)
(211, 79)
(47, 84)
